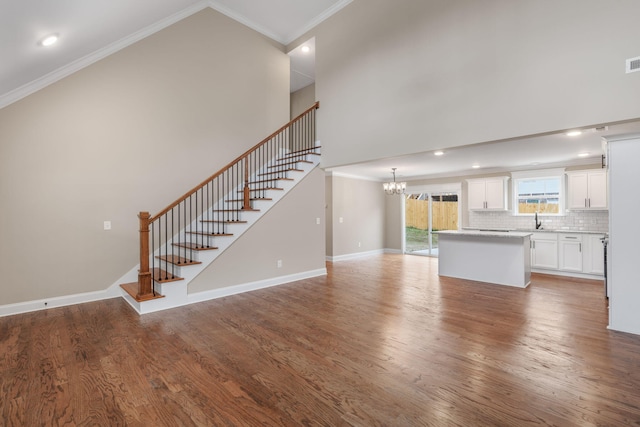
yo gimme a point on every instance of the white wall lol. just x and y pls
(624, 233)
(405, 76)
(130, 133)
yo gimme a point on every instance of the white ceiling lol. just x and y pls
(537, 152)
(92, 30)
(303, 65)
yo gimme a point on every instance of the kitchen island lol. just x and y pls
(499, 257)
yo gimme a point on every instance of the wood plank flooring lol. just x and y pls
(380, 341)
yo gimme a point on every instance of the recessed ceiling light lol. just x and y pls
(305, 49)
(574, 133)
(438, 153)
(583, 155)
(49, 40)
(475, 166)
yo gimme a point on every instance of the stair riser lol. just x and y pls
(176, 293)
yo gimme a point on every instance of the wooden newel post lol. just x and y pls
(145, 288)
(246, 204)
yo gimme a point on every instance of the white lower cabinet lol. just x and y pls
(544, 251)
(570, 253)
(593, 255)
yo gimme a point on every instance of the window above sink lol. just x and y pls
(538, 191)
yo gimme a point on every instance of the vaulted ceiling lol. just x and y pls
(91, 30)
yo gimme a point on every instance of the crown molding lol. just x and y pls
(214, 4)
(316, 21)
(77, 65)
(286, 39)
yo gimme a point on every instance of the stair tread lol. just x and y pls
(293, 155)
(280, 171)
(227, 221)
(305, 150)
(270, 180)
(236, 210)
(132, 289)
(252, 199)
(162, 276)
(263, 189)
(288, 162)
(177, 260)
(202, 233)
(195, 246)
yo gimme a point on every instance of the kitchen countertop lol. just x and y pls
(486, 233)
(532, 230)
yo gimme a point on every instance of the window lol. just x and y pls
(538, 191)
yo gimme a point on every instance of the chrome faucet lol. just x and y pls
(538, 223)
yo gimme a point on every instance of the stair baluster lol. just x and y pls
(217, 203)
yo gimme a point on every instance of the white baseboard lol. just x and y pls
(47, 303)
(393, 251)
(253, 286)
(357, 255)
(115, 292)
(568, 274)
(625, 330)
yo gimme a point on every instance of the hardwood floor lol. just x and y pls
(379, 341)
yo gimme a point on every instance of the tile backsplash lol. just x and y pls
(574, 221)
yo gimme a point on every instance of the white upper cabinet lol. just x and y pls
(488, 193)
(587, 189)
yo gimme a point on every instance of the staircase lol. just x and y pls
(183, 239)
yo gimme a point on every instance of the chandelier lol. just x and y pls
(394, 187)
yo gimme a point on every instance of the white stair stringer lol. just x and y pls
(176, 293)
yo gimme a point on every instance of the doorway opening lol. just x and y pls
(425, 213)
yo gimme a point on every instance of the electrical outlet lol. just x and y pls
(279, 263)
(318, 221)
(340, 220)
(107, 225)
(359, 244)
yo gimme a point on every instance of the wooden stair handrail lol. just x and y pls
(145, 289)
(241, 157)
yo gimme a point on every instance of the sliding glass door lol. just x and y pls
(424, 214)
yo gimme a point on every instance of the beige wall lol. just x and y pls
(361, 205)
(302, 99)
(328, 208)
(393, 223)
(132, 132)
(288, 232)
(405, 76)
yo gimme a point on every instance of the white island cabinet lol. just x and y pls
(502, 258)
